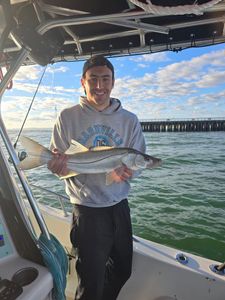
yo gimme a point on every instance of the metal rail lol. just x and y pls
(4, 83)
(61, 198)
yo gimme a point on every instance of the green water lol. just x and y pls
(182, 203)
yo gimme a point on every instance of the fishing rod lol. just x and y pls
(25, 119)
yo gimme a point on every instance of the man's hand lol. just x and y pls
(121, 174)
(58, 163)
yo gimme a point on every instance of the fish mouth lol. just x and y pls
(153, 163)
(159, 162)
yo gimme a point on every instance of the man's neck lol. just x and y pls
(100, 107)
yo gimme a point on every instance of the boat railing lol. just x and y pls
(23, 54)
(62, 200)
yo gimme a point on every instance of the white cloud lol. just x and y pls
(44, 89)
(28, 73)
(154, 57)
(142, 66)
(53, 69)
(183, 81)
(192, 69)
(210, 98)
(211, 79)
(189, 88)
(186, 75)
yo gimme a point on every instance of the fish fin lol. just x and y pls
(70, 174)
(109, 179)
(99, 148)
(75, 147)
(30, 163)
(34, 150)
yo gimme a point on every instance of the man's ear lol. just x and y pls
(82, 83)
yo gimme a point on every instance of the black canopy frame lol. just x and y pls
(56, 30)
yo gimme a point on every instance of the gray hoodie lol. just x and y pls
(114, 126)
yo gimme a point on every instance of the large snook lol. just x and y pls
(88, 161)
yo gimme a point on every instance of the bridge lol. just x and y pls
(180, 125)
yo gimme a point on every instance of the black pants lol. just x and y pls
(102, 238)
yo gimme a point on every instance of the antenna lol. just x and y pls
(56, 112)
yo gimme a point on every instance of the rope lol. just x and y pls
(56, 261)
(21, 129)
(195, 8)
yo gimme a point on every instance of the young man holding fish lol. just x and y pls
(101, 232)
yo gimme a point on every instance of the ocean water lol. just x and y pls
(182, 203)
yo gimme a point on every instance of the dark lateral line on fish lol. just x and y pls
(82, 163)
(97, 160)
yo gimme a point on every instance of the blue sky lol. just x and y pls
(188, 84)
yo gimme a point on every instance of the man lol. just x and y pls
(101, 232)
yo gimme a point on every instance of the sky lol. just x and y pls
(166, 85)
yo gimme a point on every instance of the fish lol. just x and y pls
(83, 160)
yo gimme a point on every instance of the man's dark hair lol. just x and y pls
(96, 61)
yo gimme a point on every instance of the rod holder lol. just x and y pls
(218, 269)
(182, 258)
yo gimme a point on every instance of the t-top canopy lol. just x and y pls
(57, 30)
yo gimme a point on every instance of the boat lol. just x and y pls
(44, 32)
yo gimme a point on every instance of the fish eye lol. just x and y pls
(146, 158)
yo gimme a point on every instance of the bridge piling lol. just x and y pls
(189, 125)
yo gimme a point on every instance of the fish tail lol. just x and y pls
(37, 155)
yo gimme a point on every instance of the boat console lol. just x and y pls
(23, 274)
(20, 278)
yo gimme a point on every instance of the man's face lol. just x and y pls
(98, 84)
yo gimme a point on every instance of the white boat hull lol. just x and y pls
(156, 274)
